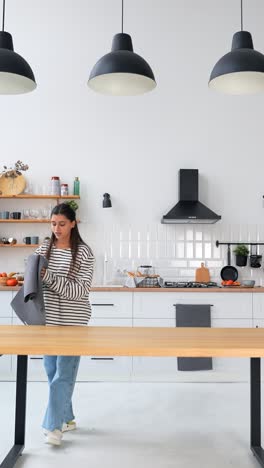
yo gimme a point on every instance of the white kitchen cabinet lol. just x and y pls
(5, 360)
(108, 309)
(106, 367)
(36, 370)
(149, 309)
(166, 369)
(258, 306)
(237, 369)
(5, 307)
(111, 304)
(162, 305)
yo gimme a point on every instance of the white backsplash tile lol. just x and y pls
(198, 248)
(161, 249)
(189, 234)
(198, 234)
(189, 249)
(196, 263)
(174, 250)
(170, 253)
(180, 250)
(208, 250)
(179, 232)
(162, 233)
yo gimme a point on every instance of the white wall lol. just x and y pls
(134, 147)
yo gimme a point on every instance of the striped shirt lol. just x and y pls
(66, 295)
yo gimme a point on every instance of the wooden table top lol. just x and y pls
(127, 341)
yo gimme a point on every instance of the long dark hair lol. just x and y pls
(75, 238)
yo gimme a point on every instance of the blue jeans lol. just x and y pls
(62, 373)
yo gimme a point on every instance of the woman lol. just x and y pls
(66, 286)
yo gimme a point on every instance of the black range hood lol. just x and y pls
(189, 210)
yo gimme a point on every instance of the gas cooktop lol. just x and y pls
(189, 284)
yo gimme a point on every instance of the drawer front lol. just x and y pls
(5, 307)
(258, 306)
(155, 305)
(161, 305)
(112, 305)
(100, 368)
(36, 371)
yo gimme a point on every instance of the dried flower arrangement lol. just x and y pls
(15, 170)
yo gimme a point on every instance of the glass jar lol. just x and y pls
(55, 186)
(64, 190)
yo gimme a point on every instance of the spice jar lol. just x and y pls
(55, 186)
(64, 190)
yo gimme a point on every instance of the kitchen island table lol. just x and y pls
(127, 341)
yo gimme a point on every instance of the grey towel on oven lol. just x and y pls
(193, 315)
(28, 303)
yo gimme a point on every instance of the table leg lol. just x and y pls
(255, 410)
(20, 415)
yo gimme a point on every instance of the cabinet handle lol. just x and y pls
(36, 358)
(107, 305)
(102, 358)
(211, 305)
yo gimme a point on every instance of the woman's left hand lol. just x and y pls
(42, 273)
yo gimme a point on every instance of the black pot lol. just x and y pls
(241, 260)
(255, 261)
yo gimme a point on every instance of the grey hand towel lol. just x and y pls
(28, 303)
(193, 315)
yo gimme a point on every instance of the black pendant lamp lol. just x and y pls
(16, 76)
(241, 71)
(122, 72)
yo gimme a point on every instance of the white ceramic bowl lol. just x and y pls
(248, 283)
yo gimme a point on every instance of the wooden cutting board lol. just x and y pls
(12, 186)
(202, 274)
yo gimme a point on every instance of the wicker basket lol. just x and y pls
(147, 282)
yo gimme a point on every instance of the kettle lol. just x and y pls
(146, 270)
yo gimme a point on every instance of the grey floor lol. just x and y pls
(140, 425)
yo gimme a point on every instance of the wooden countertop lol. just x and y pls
(161, 290)
(127, 341)
(181, 290)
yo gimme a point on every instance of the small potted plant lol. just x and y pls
(241, 252)
(72, 203)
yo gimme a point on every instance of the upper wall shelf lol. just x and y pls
(31, 220)
(49, 197)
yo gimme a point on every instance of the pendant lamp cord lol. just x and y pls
(241, 11)
(122, 16)
(3, 21)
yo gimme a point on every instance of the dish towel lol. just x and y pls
(28, 303)
(193, 315)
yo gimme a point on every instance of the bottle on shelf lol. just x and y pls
(76, 186)
(55, 186)
(64, 190)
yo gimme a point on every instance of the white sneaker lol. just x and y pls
(53, 437)
(69, 426)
